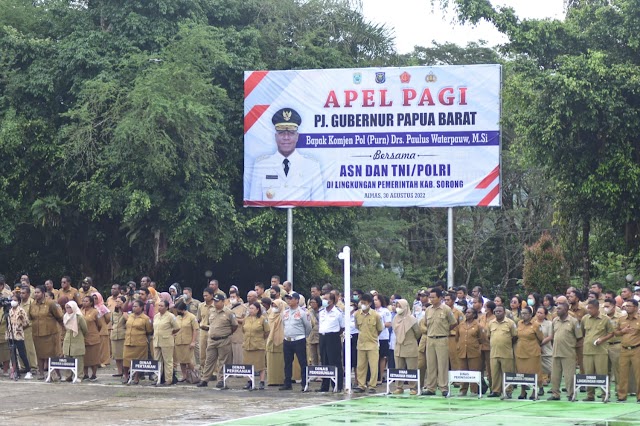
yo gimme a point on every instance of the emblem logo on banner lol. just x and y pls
(357, 77)
(431, 78)
(405, 77)
(381, 77)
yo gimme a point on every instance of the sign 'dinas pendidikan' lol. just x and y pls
(411, 136)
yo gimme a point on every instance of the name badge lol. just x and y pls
(271, 177)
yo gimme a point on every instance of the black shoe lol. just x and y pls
(116, 375)
(202, 384)
(588, 399)
(357, 390)
(428, 393)
(93, 378)
(493, 395)
(85, 377)
(445, 393)
(326, 390)
(248, 386)
(220, 385)
(372, 390)
(285, 387)
(540, 392)
(524, 396)
(621, 400)
(553, 398)
(261, 386)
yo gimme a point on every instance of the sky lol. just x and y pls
(417, 22)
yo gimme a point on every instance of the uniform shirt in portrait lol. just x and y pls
(484, 321)
(203, 313)
(254, 330)
(529, 338)
(468, 337)
(82, 294)
(438, 320)
(547, 330)
(369, 326)
(296, 323)
(578, 312)
(186, 324)
(630, 339)
(111, 304)
(19, 321)
(409, 346)
(459, 317)
(500, 335)
(118, 325)
(615, 321)
(44, 317)
(138, 328)
(163, 327)
(331, 321)
(565, 336)
(193, 305)
(314, 337)
(240, 311)
(352, 323)
(385, 314)
(303, 182)
(94, 325)
(221, 322)
(70, 293)
(594, 328)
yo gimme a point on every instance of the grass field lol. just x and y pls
(423, 411)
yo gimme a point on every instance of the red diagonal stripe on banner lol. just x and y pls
(249, 203)
(490, 196)
(252, 82)
(253, 115)
(490, 178)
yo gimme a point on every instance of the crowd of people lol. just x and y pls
(280, 333)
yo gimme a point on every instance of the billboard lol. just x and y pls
(398, 137)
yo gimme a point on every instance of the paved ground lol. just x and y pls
(108, 402)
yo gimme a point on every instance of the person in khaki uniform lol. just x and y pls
(469, 335)
(136, 343)
(613, 345)
(629, 330)
(407, 332)
(185, 339)
(597, 330)
(502, 333)
(45, 316)
(576, 310)
(566, 334)
(528, 353)
(117, 326)
(439, 321)
(203, 319)
(423, 295)
(165, 327)
(369, 325)
(25, 303)
(75, 330)
(240, 311)
(222, 324)
(87, 288)
(71, 293)
(485, 349)
(255, 330)
(454, 361)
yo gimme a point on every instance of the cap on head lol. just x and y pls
(293, 295)
(218, 298)
(286, 119)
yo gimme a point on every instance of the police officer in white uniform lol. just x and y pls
(286, 175)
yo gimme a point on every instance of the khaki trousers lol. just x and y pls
(203, 338)
(470, 364)
(403, 363)
(31, 349)
(80, 359)
(368, 359)
(629, 365)
(563, 367)
(219, 353)
(498, 367)
(437, 364)
(422, 360)
(164, 356)
(454, 361)
(595, 364)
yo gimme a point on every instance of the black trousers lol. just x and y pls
(22, 352)
(299, 348)
(331, 354)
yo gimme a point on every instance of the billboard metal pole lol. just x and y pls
(290, 246)
(345, 256)
(450, 280)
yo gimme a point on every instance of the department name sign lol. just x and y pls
(411, 136)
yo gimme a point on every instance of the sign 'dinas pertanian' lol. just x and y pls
(410, 136)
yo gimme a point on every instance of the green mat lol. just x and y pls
(423, 411)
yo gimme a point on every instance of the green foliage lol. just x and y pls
(545, 270)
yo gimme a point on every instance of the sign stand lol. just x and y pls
(63, 364)
(145, 366)
(463, 376)
(322, 372)
(520, 379)
(395, 375)
(243, 370)
(591, 381)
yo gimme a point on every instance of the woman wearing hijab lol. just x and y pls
(275, 352)
(95, 323)
(76, 329)
(175, 291)
(103, 311)
(164, 297)
(136, 345)
(407, 332)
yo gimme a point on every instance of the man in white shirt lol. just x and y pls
(330, 327)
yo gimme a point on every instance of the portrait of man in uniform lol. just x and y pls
(286, 175)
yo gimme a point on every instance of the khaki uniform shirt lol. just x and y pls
(138, 328)
(630, 339)
(438, 320)
(254, 330)
(615, 321)
(409, 346)
(484, 321)
(89, 292)
(459, 317)
(593, 329)
(118, 326)
(240, 311)
(529, 338)
(71, 293)
(187, 324)
(163, 327)
(221, 324)
(44, 318)
(468, 339)
(369, 327)
(193, 306)
(500, 335)
(111, 303)
(94, 325)
(565, 336)
(203, 315)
